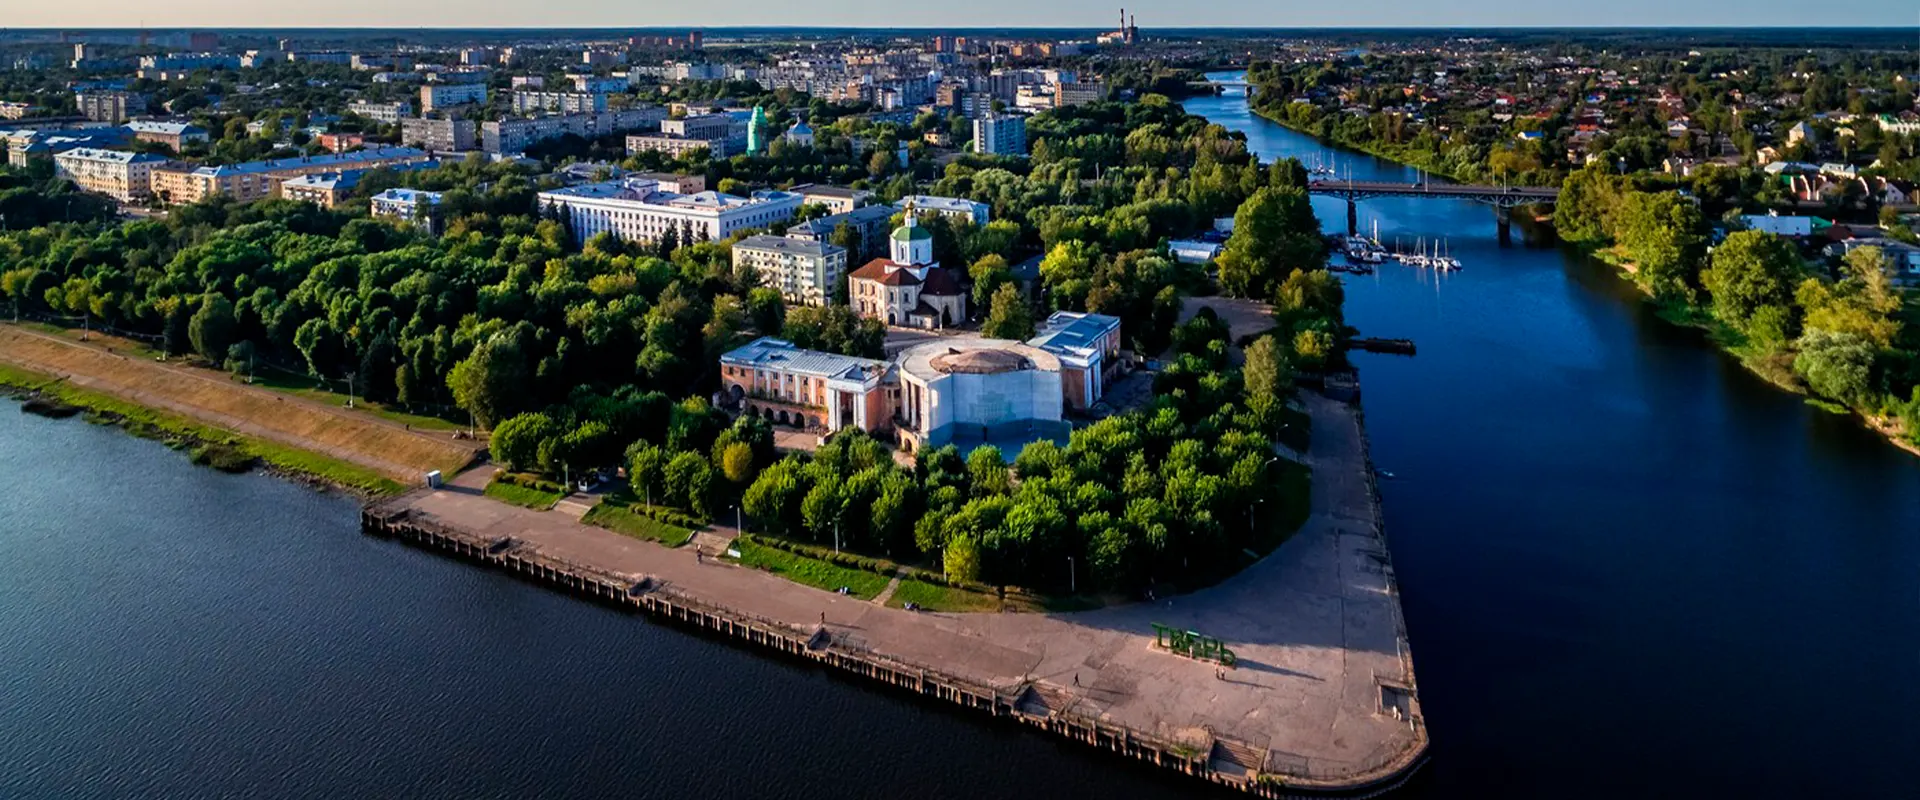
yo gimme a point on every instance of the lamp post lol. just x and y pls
(1073, 582)
(350, 377)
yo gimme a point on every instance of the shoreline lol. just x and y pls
(287, 435)
(1344, 706)
(1883, 427)
(178, 432)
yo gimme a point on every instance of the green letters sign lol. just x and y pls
(1192, 644)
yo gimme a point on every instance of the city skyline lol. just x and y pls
(1090, 14)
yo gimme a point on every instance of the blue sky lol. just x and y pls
(973, 13)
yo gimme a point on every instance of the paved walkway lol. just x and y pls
(1315, 626)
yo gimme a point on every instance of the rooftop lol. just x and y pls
(973, 355)
(779, 354)
(1074, 333)
(163, 128)
(402, 195)
(120, 156)
(786, 245)
(329, 159)
(331, 181)
(648, 192)
(954, 205)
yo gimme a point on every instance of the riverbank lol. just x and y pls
(1426, 165)
(1322, 697)
(1776, 368)
(292, 436)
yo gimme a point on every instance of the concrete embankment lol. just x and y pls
(1323, 700)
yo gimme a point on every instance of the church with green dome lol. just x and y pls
(908, 288)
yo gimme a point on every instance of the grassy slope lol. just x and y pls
(811, 571)
(623, 520)
(160, 425)
(523, 496)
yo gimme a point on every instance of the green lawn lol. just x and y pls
(936, 597)
(623, 520)
(1298, 432)
(537, 499)
(811, 571)
(1286, 507)
(154, 424)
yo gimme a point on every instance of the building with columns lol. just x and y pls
(908, 287)
(786, 385)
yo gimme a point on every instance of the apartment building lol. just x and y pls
(454, 135)
(255, 180)
(422, 208)
(676, 146)
(805, 272)
(172, 134)
(837, 199)
(434, 96)
(121, 175)
(109, 106)
(637, 209)
(972, 212)
(868, 223)
(595, 84)
(385, 113)
(516, 135)
(323, 189)
(563, 102)
(1000, 135)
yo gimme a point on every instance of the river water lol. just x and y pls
(1627, 566)
(1626, 563)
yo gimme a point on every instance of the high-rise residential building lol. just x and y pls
(516, 135)
(637, 210)
(1004, 135)
(453, 134)
(805, 272)
(435, 96)
(110, 106)
(123, 176)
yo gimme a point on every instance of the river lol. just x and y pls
(1627, 564)
(1628, 568)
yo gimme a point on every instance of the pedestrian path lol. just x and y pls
(887, 593)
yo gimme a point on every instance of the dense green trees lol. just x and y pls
(1009, 316)
(1274, 233)
(1751, 271)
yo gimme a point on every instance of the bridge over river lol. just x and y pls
(1502, 198)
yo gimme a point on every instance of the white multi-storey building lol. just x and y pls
(563, 102)
(805, 272)
(446, 95)
(636, 209)
(388, 113)
(414, 205)
(121, 175)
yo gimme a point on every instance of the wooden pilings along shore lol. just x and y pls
(393, 520)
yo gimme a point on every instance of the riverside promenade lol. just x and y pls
(1322, 699)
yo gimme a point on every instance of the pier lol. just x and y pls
(1319, 700)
